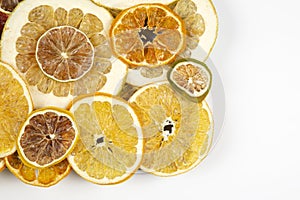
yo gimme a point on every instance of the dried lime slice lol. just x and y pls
(191, 78)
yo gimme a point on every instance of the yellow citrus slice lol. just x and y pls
(37, 177)
(201, 22)
(61, 48)
(177, 132)
(148, 35)
(14, 107)
(2, 164)
(111, 142)
(47, 137)
(191, 78)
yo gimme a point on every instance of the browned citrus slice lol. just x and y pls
(15, 105)
(147, 35)
(9, 5)
(47, 137)
(177, 132)
(111, 141)
(62, 50)
(64, 53)
(37, 177)
(2, 164)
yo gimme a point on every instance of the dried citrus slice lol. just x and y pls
(3, 18)
(2, 164)
(201, 22)
(62, 50)
(191, 78)
(9, 5)
(127, 91)
(14, 107)
(47, 137)
(111, 143)
(148, 35)
(37, 177)
(177, 132)
(120, 5)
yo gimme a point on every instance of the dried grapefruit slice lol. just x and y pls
(148, 35)
(191, 78)
(2, 164)
(47, 137)
(41, 38)
(37, 177)
(201, 22)
(177, 132)
(111, 142)
(15, 105)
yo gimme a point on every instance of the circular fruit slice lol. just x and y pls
(37, 177)
(120, 5)
(47, 137)
(2, 164)
(191, 78)
(148, 35)
(201, 22)
(14, 107)
(9, 5)
(177, 132)
(62, 50)
(111, 142)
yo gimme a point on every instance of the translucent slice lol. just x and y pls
(47, 137)
(191, 78)
(15, 105)
(64, 53)
(37, 177)
(25, 30)
(2, 164)
(111, 144)
(171, 126)
(201, 22)
(148, 35)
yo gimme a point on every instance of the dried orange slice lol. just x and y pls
(37, 177)
(111, 142)
(47, 137)
(201, 22)
(191, 78)
(61, 48)
(15, 105)
(148, 35)
(2, 164)
(9, 5)
(120, 5)
(177, 132)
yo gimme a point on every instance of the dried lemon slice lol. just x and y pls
(62, 50)
(14, 107)
(201, 22)
(111, 143)
(37, 177)
(47, 137)
(177, 132)
(2, 164)
(148, 35)
(191, 78)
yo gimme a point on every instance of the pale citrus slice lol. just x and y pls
(62, 50)
(201, 22)
(177, 132)
(14, 107)
(37, 177)
(148, 35)
(47, 137)
(111, 142)
(191, 78)
(2, 164)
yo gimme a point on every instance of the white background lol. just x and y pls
(258, 155)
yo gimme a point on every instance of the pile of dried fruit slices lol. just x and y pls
(104, 88)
